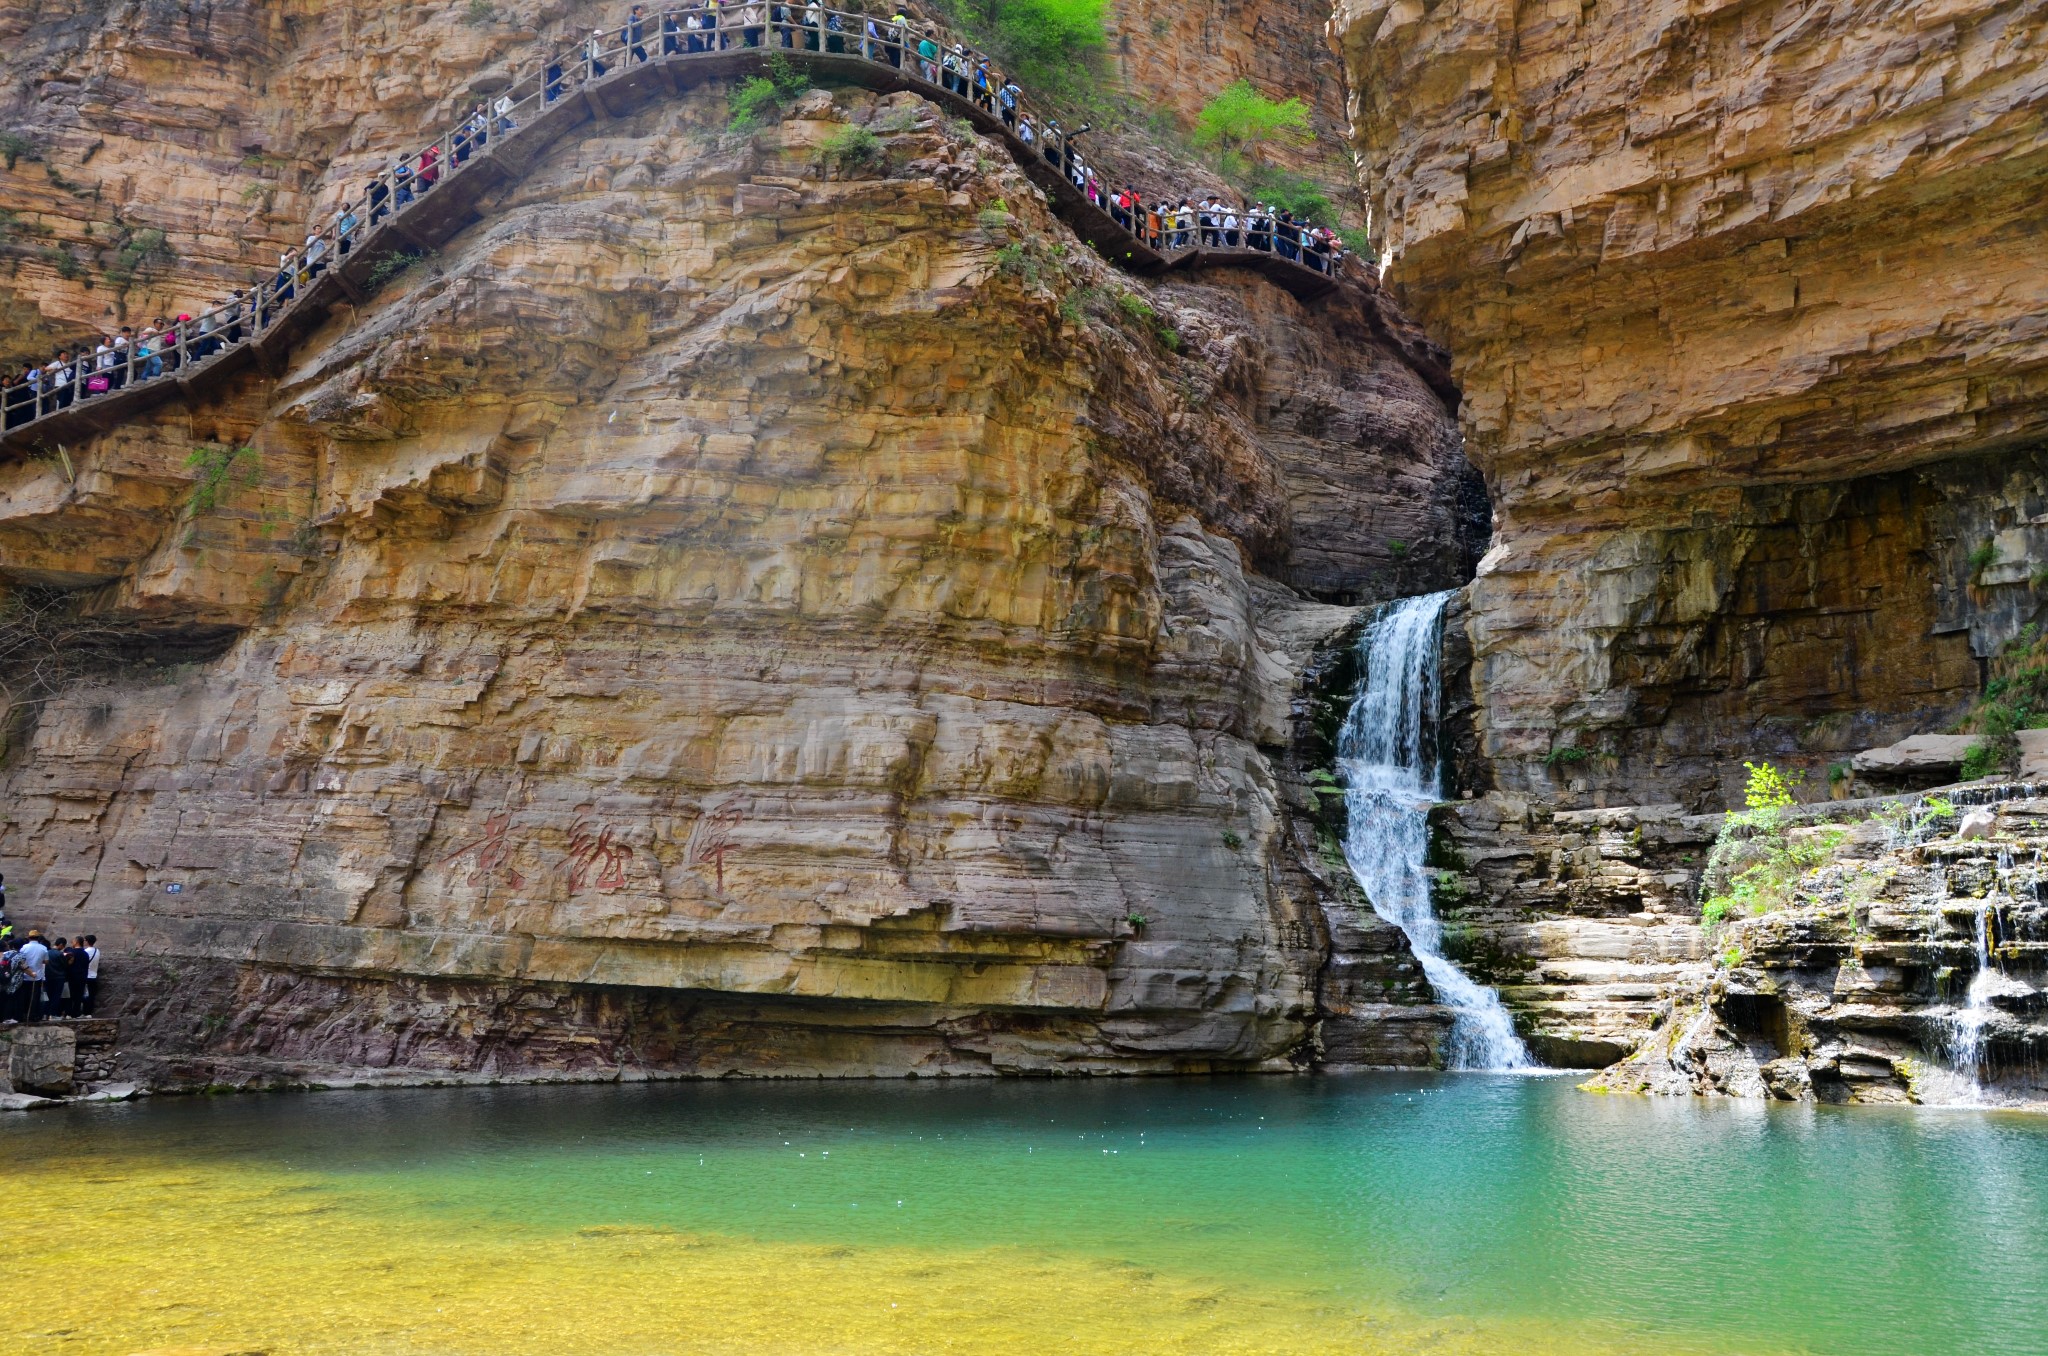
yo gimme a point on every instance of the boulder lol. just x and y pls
(1915, 756)
(2033, 755)
(1979, 823)
(41, 1060)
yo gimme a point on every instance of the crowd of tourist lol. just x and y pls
(42, 979)
(1167, 223)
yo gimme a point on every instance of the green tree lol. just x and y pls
(1241, 120)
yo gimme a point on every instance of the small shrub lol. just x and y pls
(1240, 119)
(1981, 761)
(1982, 558)
(1755, 866)
(14, 147)
(1232, 841)
(140, 253)
(1397, 548)
(1837, 773)
(1138, 921)
(851, 147)
(1565, 755)
(1019, 261)
(220, 472)
(1293, 191)
(479, 13)
(64, 261)
(753, 102)
(1075, 304)
(1136, 307)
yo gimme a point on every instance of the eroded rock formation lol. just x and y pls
(1745, 299)
(731, 609)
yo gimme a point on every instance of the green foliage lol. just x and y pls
(1358, 242)
(2015, 699)
(64, 261)
(1075, 305)
(1291, 191)
(1232, 840)
(1755, 865)
(1053, 47)
(1397, 548)
(1566, 754)
(479, 13)
(759, 99)
(753, 102)
(1322, 783)
(1240, 119)
(390, 266)
(1982, 558)
(1769, 791)
(789, 81)
(1838, 773)
(852, 147)
(15, 147)
(1016, 260)
(1139, 310)
(219, 472)
(1138, 921)
(142, 251)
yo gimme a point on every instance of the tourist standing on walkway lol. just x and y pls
(34, 958)
(92, 972)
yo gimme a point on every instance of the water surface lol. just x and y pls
(1455, 1214)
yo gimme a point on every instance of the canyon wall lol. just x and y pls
(1746, 305)
(1746, 300)
(734, 608)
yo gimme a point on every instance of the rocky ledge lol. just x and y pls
(1910, 965)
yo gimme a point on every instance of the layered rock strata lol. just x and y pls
(1745, 305)
(733, 609)
(1904, 971)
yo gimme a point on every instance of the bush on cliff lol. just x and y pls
(1241, 121)
(1052, 47)
(2015, 699)
(1756, 864)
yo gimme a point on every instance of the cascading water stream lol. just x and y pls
(1387, 757)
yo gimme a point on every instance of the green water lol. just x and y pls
(1524, 1214)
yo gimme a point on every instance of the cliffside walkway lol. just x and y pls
(433, 193)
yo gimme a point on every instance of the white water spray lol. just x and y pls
(1387, 757)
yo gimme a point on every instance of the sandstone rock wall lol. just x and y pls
(726, 611)
(1745, 300)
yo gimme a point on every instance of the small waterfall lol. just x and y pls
(1387, 758)
(1966, 1027)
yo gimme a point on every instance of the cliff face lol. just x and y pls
(732, 608)
(1745, 300)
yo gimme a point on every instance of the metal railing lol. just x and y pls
(928, 60)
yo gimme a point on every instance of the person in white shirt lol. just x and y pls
(92, 971)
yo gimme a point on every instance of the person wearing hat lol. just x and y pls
(593, 55)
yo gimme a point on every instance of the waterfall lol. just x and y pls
(1966, 1027)
(1387, 758)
